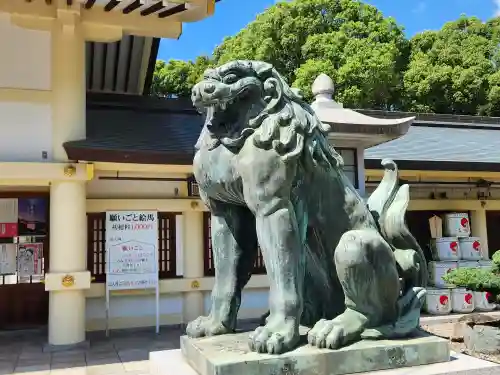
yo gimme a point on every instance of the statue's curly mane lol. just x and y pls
(287, 124)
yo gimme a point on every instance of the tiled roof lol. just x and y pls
(133, 128)
(164, 131)
(144, 130)
(433, 117)
(432, 143)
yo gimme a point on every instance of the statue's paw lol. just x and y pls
(333, 334)
(326, 334)
(274, 339)
(206, 326)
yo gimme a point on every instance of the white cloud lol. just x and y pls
(496, 3)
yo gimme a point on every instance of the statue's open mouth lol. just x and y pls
(226, 105)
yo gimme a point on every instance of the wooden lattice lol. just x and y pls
(208, 260)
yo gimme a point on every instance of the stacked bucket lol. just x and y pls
(454, 250)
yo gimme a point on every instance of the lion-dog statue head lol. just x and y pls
(244, 98)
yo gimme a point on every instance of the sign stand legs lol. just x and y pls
(158, 309)
(107, 312)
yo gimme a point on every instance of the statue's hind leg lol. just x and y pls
(367, 270)
(234, 247)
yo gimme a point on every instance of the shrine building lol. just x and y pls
(81, 138)
(54, 54)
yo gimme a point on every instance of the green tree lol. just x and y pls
(177, 77)
(455, 69)
(452, 70)
(362, 51)
(351, 41)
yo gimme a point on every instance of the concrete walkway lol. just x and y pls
(124, 353)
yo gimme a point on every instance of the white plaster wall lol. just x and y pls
(133, 189)
(129, 306)
(254, 303)
(25, 57)
(26, 130)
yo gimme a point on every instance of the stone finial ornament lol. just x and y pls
(264, 167)
(323, 87)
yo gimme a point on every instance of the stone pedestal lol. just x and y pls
(229, 355)
(168, 362)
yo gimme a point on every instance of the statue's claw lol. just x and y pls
(341, 331)
(274, 339)
(206, 326)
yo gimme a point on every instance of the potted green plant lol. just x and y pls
(478, 279)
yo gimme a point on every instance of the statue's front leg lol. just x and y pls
(279, 240)
(234, 248)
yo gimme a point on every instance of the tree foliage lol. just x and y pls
(452, 70)
(177, 77)
(362, 51)
(455, 69)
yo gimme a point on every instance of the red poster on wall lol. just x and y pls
(8, 230)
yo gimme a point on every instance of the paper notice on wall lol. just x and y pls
(29, 259)
(8, 258)
(8, 210)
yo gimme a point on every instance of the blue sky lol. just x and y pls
(232, 15)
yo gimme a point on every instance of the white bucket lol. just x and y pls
(462, 301)
(438, 301)
(446, 248)
(437, 270)
(485, 264)
(470, 248)
(468, 264)
(481, 302)
(457, 224)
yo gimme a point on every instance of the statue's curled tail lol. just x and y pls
(388, 204)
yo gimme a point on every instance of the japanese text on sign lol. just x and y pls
(132, 221)
(132, 248)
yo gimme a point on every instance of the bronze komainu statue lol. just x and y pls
(347, 268)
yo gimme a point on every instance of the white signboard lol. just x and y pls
(8, 264)
(132, 252)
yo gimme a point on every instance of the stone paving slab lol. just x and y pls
(123, 353)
